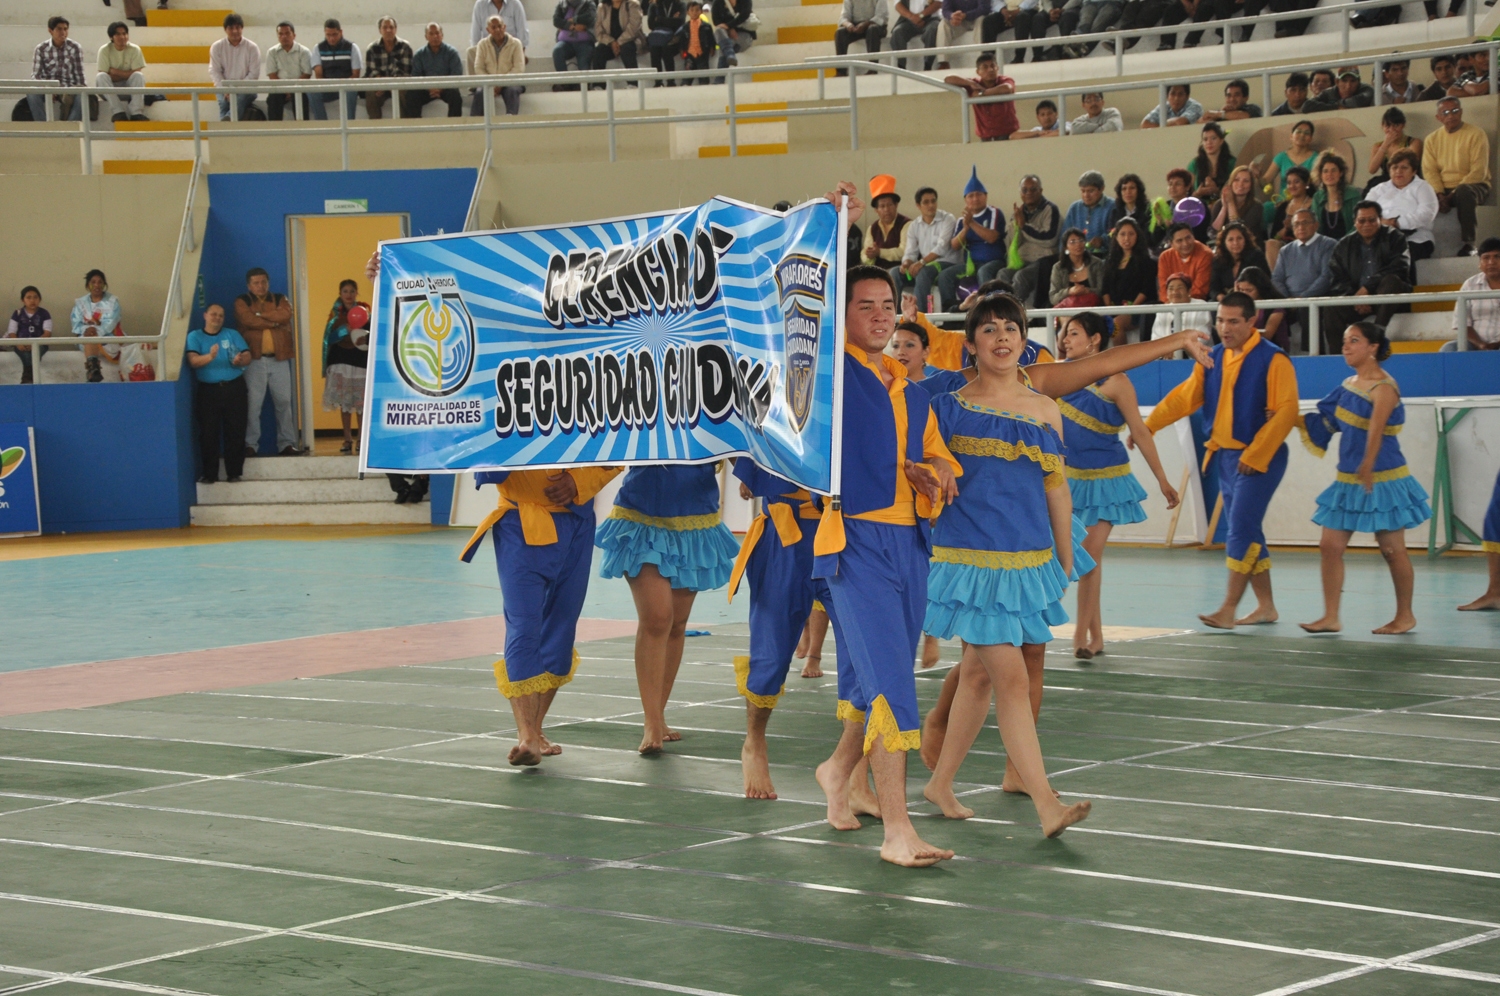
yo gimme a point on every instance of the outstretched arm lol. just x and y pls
(1122, 392)
(1058, 379)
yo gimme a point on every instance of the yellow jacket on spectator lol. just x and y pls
(1453, 158)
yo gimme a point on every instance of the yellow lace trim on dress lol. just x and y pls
(1307, 440)
(883, 721)
(675, 523)
(1003, 414)
(1054, 480)
(1353, 388)
(1096, 473)
(1253, 563)
(996, 559)
(846, 711)
(985, 446)
(1088, 421)
(544, 682)
(742, 679)
(1359, 422)
(1394, 474)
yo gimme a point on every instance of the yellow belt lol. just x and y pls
(536, 522)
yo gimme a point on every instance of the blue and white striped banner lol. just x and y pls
(680, 337)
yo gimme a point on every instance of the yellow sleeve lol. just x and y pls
(946, 347)
(591, 481)
(1044, 355)
(1183, 400)
(933, 445)
(1281, 411)
(869, 239)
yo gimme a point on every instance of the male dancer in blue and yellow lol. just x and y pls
(1252, 391)
(543, 529)
(872, 551)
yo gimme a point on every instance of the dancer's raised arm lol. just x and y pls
(1058, 379)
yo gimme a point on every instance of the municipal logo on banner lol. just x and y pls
(434, 345)
(802, 282)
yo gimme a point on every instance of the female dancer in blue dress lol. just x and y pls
(1105, 492)
(666, 537)
(1002, 554)
(1375, 491)
(1491, 538)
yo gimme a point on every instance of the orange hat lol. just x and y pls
(883, 185)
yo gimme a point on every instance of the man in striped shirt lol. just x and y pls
(234, 57)
(60, 60)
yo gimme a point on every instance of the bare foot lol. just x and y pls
(813, 668)
(840, 816)
(526, 754)
(1400, 624)
(862, 799)
(945, 800)
(671, 736)
(1484, 603)
(651, 741)
(1083, 653)
(550, 749)
(1076, 813)
(1223, 619)
(1012, 782)
(1097, 649)
(1324, 625)
(1259, 617)
(932, 740)
(757, 769)
(911, 851)
(931, 652)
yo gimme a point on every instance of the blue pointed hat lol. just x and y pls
(974, 187)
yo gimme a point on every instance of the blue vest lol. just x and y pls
(1249, 404)
(869, 444)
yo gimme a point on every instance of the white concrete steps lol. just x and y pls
(304, 490)
(302, 468)
(362, 513)
(281, 492)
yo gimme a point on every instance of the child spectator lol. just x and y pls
(695, 40)
(97, 313)
(1047, 125)
(346, 355)
(29, 321)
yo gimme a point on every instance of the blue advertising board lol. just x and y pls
(20, 506)
(678, 337)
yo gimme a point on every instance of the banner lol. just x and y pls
(680, 337)
(20, 504)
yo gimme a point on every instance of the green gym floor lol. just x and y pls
(1273, 813)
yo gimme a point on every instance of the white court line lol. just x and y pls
(1300, 780)
(54, 978)
(1332, 653)
(1166, 676)
(1364, 757)
(1451, 715)
(1261, 665)
(1404, 962)
(1283, 812)
(1085, 690)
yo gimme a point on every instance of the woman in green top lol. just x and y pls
(1211, 167)
(1334, 202)
(1300, 154)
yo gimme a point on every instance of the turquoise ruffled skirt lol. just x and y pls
(695, 559)
(1398, 504)
(1115, 500)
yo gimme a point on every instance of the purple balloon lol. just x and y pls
(1190, 210)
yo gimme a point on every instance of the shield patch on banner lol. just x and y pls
(802, 281)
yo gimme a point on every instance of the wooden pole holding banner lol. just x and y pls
(1187, 475)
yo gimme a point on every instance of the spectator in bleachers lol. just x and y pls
(618, 32)
(231, 58)
(1456, 161)
(1301, 154)
(388, 57)
(885, 240)
(1321, 81)
(1047, 125)
(1185, 254)
(1302, 264)
(29, 321)
(512, 12)
(664, 18)
(1393, 123)
(860, 19)
(1131, 202)
(997, 121)
(1179, 290)
(1348, 92)
(266, 319)
(1240, 8)
(1078, 277)
(1408, 204)
(1129, 275)
(1091, 212)
(1273, 324)
(1372, 259)
(1138, 14)
(1088, 16)
(958, 19)
(335, 58)
(1473, 75)
(97, 314)
(60, 60)
(436, 58)
(1396, 85)
(735, 27)
(1236, 251)
(1295, 94)
(1096, 118)
(981, 231)
(1292, 27)
(1178, 11)
(1211, 166)
(1375, 18)
(1298, 196)
(695, 40)
(1444, 74)
(1182, 109)
(1237, 104)
(1240, 205)
(1335, 199)
(929, 248)
(346, 356)
(121, 64)
(574, 21)
(286, 60)
(1037, 222)
(1163, 209)
(1483, 328)
(500, 54)
(921, 23)
(218, 357)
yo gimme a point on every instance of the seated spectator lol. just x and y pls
(1211, 166)
(929, 248)
(860, 19)
(346, 355)
(735, 26)
(1078, 277)
(388, 57)
(1091, 212)
(695, 40)
(267, 319)
(1456, 161)
(335, 58)
(96, 314)
(1377, 17)
(1483, 328)
(1295, 94)
(1347, 93)
(436, 58)
(1299, 197)
(1370, 260)
(1037, 222)
(1321, 82)
(499, 55)
(1185, 254)
(923, 23)
(1236, 251)
(1444, 76)
(1179, 185)
(1334, 202)
(121, 64)
(1197, 11)
(1302, 264)
(981, 231)
(231, 58)
(574, 21)
(1035, 19)
(1129, 275)
(1237, 104)
(1396, 86)
(1239, 204)
(958, 19)
(286, 60)
(1409, 205)
(1182, 109)
(885, 241)
(59, 60)
(997, 121)
(512, 12)
(1047, 124)
(664, 18)
(626, 18)
(29, 321)
(1301, 154)
(1131, 202)
(1273, 324)
(1088, 17)
(1241, 8)
(218, 357)
(1179, 291)
(1096, 118)
(1294, 27)
(1473, 75)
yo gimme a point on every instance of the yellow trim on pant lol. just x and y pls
(544, 682)
(818, 606)
(846, 711)
(883, 721)
(742, 680)
(1490, 546)
(1253, 563)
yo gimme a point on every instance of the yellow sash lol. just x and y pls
(784, 520)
